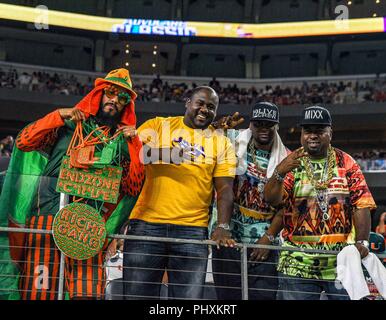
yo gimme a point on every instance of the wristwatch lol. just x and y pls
(364, 243)
(277, 175)
(224, 226)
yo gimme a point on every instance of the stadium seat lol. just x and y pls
(143, 9)
(287, 10)
(219, 60)
(214, 10)
(360, 57)
(361, 8)
(291, 60)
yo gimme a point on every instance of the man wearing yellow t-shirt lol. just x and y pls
(186, 160)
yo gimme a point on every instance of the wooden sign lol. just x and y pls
(79, 231)
(93, 183)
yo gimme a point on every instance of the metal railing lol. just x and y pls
(241, 247)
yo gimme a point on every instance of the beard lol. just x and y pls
(321, 151)
(314, 152)
(264, 142)
(106, 119)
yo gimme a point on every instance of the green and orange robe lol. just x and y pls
(29, 199)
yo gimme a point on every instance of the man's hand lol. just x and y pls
(228, 122)
(73, 114)
(112, 249)
(223, 238)
(129, 132)
(364, 251)
(291, 161)
(260, 254)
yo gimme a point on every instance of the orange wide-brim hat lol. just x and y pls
(121, 78)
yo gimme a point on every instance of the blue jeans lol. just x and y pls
(296, 288)
(144, 262)
(262, 276)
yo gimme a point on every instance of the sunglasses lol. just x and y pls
(123, 97)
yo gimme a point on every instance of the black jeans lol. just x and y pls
(262, 276)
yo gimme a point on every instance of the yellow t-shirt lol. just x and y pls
(181, 194)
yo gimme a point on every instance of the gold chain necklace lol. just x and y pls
(326, 176)
(322, 185)
(262, 177)
(252, 150)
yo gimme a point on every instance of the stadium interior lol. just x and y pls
(345, 72)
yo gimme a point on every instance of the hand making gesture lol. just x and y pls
(228, 122)
(292, 161)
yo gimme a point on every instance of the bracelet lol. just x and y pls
(224, 226)
(270, 237)
(364, 243)
(277, 176)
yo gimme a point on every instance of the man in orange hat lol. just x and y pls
(98, 132)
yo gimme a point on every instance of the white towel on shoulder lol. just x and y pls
(278, 152)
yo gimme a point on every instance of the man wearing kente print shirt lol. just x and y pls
(259, 149)
(323, 192)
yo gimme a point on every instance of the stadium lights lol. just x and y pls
(194, 28)
(349, 3)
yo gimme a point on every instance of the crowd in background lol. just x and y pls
(371, 160)
(370, 155)
(159, 90)
(322, 93)
(163, 91)
(41, 81)
(6, 145)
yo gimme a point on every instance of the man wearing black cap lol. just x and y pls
(321, 188)
(259, 149)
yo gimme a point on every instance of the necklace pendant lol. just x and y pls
(260, 187)
(322, 199)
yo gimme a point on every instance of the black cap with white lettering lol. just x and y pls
(265, 111)
(316, 115)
